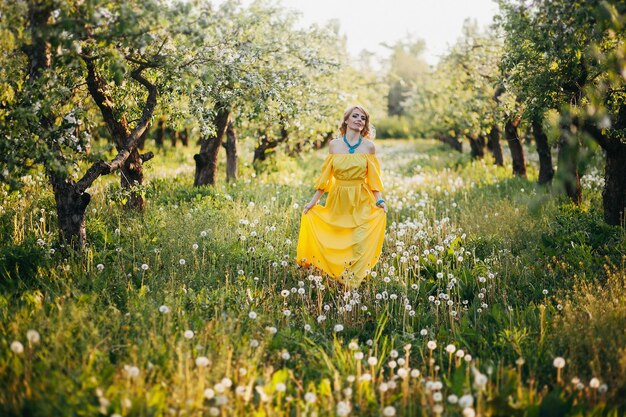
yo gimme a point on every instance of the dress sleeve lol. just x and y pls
(373, 173)
(326, 179)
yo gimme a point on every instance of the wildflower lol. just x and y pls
(460, 353)
(437, 396)
(252, 315)
(393, 353)
(144, 267)
(358, 356)
(194, 246)
(280, 387)
(33, 336)
(424, 332)
(131, 371)
(545, 292)
(467, 358)
(415, 373)
(203, 233)
(296, 206)
(338, 328)
(392, 364)
(594, 383)
(389, 411)
(285, 355)
(243, 371)
(271, 329)
(366, 377)
(469, 412)
(558, 362)
(309, 397)
(307, 327)
(466, 401)
(285, 293)
(431, 345)
(450, 348)
(17, 347)
(602, 389)
(453, 399)
(372, 361)
(202, 361)
(403, 373)
(188, 334)
(287, 313)
(100, 267)
(164, 309)
(254, 343)
(343, 408)
(182, 262)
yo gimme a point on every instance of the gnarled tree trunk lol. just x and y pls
(71, 206)
(477, 146)
(614, 193)
(494, 145)
(232, 163)
(451, 141)
(515, 145)
(546, 171)
(206, 159)
(160, 133)
(567, 164)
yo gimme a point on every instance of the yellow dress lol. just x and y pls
(344, 238)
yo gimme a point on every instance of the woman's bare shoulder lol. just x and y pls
(333, 145)
(370, 147)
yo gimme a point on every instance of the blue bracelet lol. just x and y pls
(380, 201)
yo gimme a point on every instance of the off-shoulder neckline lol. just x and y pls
(352, 154)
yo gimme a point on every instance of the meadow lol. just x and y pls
(493, 297)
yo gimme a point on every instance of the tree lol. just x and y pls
(61, 59)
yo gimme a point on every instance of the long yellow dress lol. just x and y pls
(344, 238)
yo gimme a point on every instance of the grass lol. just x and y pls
(196, 307)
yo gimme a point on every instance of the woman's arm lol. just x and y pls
(316, 197)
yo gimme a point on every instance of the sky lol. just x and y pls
(368, 23)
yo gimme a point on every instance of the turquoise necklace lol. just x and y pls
(352, 148)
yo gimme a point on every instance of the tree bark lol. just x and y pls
(495, 146)
(232, 163)
(614, 193)
(515, 145)
(160, 134)
(567, 164)
(546, 171)
(206, 159)
(477, 146)
(451, 141)
(184, 137)
(71, 206)
(267, 145)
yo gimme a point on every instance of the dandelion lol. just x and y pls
(164, 309)
(453, 399)
(285, 355)
(558, 362)
(17, 347)
(287, 313)
(437, 396)
(602, 389)
(469, 412)
(188, 334)
(203, 233)
(424, 332)
(285, 293)
(431, 345)
(450, 349)
(202, 361)
(194, 246)
(252, 315)
(343, 408)
(100, 267)
(415, 373)
(403, 373)
(182, 262)
(131, 371)
(372, 361)
(309, 397)
(358, 356)
(271, 329)
(389, 411)
(254, 343)
(280, 387)
(144, 267)
(338, 328)
(307, 327)
(594, 383)
(466, 401)
(33, 336)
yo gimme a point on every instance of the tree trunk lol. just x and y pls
(546, 171)
(132, 176)
(142, 139)
(515, 145)
(494, 145)
(567, 169)
(451, 141)
(477, 146)
(71, 206)
(206, 159)
(614, 193)
(184, 137)
(174, 138)
(232, 163)
(263, 147)
(160, 134)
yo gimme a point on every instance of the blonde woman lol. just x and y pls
(344, 238)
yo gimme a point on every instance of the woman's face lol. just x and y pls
(356, 120)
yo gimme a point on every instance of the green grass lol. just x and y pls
(492, 265)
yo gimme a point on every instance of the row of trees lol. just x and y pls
(68, 69)
(554, 69)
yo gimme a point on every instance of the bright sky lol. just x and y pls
(368, 23)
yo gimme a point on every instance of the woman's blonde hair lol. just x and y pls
(344, 123)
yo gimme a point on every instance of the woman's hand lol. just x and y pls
(383, 206)
(309, 206)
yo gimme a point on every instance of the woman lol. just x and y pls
(344, 238)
